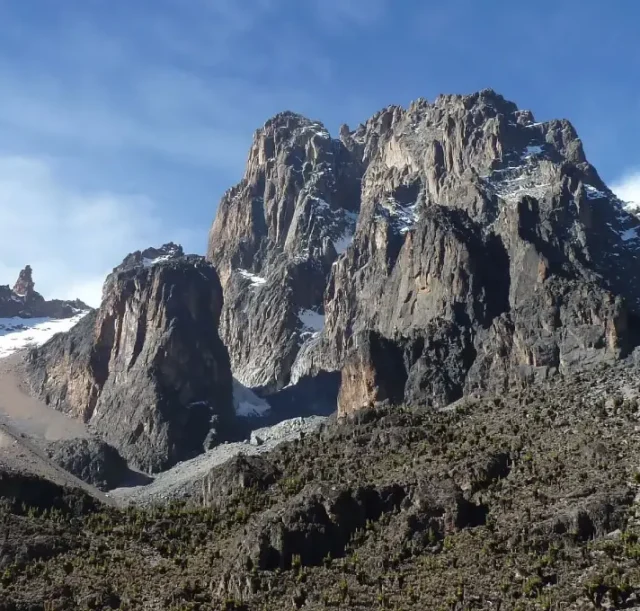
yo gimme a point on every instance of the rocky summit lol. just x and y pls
(453, 282)
(477, 241)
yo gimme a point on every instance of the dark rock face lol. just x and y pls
(429, 366)
(23, 301)
(147, 370)
(565, 326)
(437, 360)
(480, 243)
(91, 460)
(274, 240)
(18, 490)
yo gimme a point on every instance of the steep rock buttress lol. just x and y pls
(479, 242)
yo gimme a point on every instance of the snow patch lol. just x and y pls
(20, 333)
(255, 280)
(514, 182)
(632, 208)
(317, 129)
(532, 150)
(403, 217)
(629, 234)
(150, 262)
(593, 193)
(247, 404)
(343, 242)
(311, 321)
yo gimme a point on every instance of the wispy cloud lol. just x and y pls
(347, 13)
(627, 188)
(105, 112)
(70, 238)
(169, 114)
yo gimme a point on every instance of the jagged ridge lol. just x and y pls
(471, 216)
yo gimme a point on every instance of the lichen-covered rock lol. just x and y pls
(147, 370)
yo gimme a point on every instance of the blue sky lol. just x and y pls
(122, 122)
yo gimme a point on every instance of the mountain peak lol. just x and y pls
(24, 285)
(289, 119)
(332, 228)
(140, 259)
(151, 256)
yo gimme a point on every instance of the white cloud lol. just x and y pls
(104, 120)
(71, 239)
(628, 188)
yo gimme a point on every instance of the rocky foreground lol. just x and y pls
(523, 501)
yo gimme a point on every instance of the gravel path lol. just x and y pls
(184, 478)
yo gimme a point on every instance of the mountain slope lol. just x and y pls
(524, 501)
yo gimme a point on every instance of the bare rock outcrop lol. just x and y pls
(427, 367)
(24, 284)
(564, 327)
(23, 301)
(373, 373)
(91, 460)
(147, 370)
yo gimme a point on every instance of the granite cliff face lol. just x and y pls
(274, 240)
(147, 370)
(478, 242)
(23, 301)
